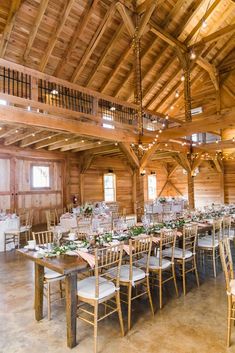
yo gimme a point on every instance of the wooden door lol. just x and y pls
(7, 192)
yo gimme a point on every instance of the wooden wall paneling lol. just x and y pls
(6, 197)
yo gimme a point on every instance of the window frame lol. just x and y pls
(155, 177)
(114, 187)
(49, 166)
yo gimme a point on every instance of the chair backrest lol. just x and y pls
(217, 230)
(24, 219)
(50, 218)
(58, 213)
(156, 218)
(190, 232)
(106, 226)
(167, 241)
(227, 263)
(84, 224)
(139, 249)
(69, 207)
(226, 226)
(43, 237)
(106, 259)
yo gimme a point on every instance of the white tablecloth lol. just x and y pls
(6, 225)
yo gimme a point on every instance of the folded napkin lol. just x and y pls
(87, 257)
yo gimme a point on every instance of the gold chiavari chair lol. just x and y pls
(227, 231)
(136, 273)
(70, 207)
(101, 289)
(161, 268)
(51, 219)
(227, 265)
(50, 276)
(14, 235)
(131, 220)
(58, 213)
(187, 254)
(209, 244)
(84, 224)
(156, 218)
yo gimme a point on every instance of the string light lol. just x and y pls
(99, 142)
(177, 94)
(167, 117)
(113, 109)
(182, 78)
(82, 141)
(204, 23)
(192, 55)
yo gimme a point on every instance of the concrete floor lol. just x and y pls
(191, 324)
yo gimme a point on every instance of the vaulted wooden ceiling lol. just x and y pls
(87, 42)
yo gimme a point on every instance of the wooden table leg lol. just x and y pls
(71, 308)
(38, 301)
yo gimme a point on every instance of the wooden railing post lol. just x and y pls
(34, 88)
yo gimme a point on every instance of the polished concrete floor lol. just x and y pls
(191, 324)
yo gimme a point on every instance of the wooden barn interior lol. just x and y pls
(139, 95)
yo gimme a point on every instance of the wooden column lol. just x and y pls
(191, 200)
(187, 91)
(141, 192)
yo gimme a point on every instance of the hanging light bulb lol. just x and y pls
(233, 139)
(172, 107)
(192, 55)
(182, 78)
(177, 94)
(167, 117)
(204, 23)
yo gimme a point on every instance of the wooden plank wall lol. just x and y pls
(93, 181)
(229, 181)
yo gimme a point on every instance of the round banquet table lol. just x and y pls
(8, 224)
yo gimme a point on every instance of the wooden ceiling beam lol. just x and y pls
(211, 69)
(68, 4)
(87, 13)
(100, 150)
(32, 35)
(130, 154)
(4, 131)
(93, 145)
(127, 19)
(102, 59)
(167, 37)
(15, 5)
(19, 136)
(146, 17)
(82, 146)
(229, 91)
(67, 140)
(50, 141)
(95, 39)
(37, 138)
(51, 122)
(215, 36)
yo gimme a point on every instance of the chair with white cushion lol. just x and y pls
(161, 265)
(14, 235)
(44, 238)
(227, 265)
(101, 289)
(135, 274)
(185, 257)
(209, 244)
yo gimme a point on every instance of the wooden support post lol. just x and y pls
(191, 201)
(34, 94)
(141, 192)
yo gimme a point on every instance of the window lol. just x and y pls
(194, 137)
(152, 186)
(109, 118)
(40, 176)
(109, 187)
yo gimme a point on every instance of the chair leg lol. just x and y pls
(214, 263)
(183, 276)
(149, 295)
(119, 310)
(95, 325)
(129, 306)
(195, 269)
(174, 278)
(229, 320)
(49, 301)
(160, 288)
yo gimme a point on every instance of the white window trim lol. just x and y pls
(114, 184)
